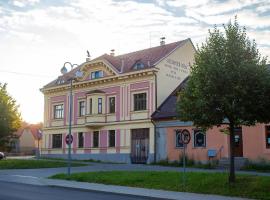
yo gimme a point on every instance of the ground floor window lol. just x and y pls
(178, 141)
(96, 139)
(80, 139)
(267, 136)
(57, 141)
(199, 138)
(111, 138)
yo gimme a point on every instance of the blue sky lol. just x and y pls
(38, 36)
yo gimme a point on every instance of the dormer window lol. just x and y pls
(138, 65)
(96, 74)
(60, 81)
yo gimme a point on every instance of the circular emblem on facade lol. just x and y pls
(69, 139)
(185, 136)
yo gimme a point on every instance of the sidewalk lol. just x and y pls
(162, 194)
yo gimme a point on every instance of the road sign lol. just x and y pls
(185, 136)
(69, 139)
(185, 139)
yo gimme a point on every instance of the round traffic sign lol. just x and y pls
(185, 136)
(69, 139)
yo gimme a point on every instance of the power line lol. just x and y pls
(26, 74)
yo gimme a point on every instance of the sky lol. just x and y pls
(38, 36)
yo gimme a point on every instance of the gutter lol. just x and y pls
(153, 122)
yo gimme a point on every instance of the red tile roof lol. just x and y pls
(125, 63)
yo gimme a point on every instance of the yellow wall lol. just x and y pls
(170, 74)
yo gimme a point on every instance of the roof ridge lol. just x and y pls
(149, 48)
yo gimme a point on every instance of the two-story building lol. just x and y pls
(113, 103)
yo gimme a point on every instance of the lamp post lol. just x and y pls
(78, 74)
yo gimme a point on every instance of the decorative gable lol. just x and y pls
(97, 69)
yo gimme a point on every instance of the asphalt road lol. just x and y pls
(17, 191)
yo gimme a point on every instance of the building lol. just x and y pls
(113, 103)
(27, 139)
(251, 143)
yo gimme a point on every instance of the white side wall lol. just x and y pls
(173, 70)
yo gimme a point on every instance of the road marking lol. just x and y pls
(22, 176)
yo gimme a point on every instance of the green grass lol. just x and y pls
(256, 187)
(32, 164)
(258, 167)
(189, 163)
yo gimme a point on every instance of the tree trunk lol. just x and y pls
(232, 168)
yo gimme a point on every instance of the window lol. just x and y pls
(57, 141)
(80, 140)
(81, 108)
(199, 138)
(96, 74)
(90, 106)
(111, 138)
(178, 142)
(112, 105)
(139, 65)
(95, 139)
(99, 105)
(140, 101)
(58, 111)
(267, 137)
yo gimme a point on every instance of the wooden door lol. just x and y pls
(238, 143)
(139, 145)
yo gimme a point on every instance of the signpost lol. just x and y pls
(39, 137)
(69, 139)
(185, 139)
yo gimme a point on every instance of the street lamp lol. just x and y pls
(69, 139)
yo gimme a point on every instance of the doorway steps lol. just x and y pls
(239, 162)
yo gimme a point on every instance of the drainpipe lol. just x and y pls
(155, 126)
(155, 141)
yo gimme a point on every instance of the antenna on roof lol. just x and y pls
(162, 41)
(88, 58)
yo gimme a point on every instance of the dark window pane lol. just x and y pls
(111, 138)
(112, 105)
(140, 101)
(199, 139)
(80, 140)
(96, 139)
(267, 137)
(58, 111)
(178, 142)
(90, 106)
(99, 105)
(57, 141)
(81, 108)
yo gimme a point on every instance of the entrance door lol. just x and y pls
(238, 143)
(139, 145)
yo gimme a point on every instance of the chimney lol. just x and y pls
(88, 58)
(112, 52)
(162, 41)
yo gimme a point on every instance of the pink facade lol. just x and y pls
(254, 145)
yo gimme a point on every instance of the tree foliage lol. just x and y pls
(229, 82)
(10, 119)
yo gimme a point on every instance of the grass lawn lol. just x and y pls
(257, 167)
(256, 187)
(32, 164)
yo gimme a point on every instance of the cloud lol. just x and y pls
(38, 38)
(23, 3)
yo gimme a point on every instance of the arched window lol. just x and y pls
(199, 138)
(178, 143)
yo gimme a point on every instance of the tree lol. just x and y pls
(10, 118)
(229, 84)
